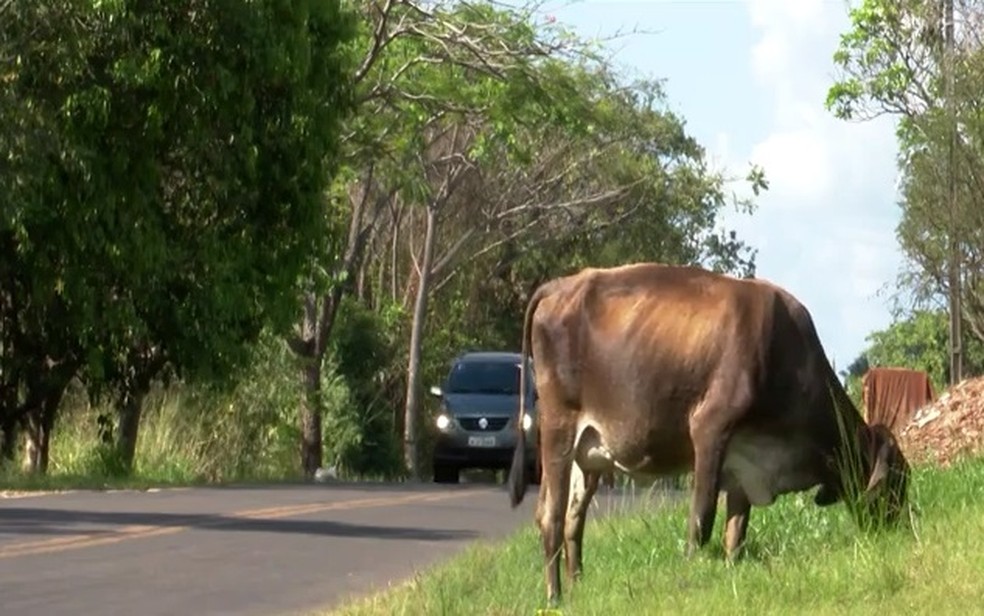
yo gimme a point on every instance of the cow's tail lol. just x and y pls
(517, 474)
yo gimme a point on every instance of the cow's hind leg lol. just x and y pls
(736, 525)
(556, 445)
(583, 486)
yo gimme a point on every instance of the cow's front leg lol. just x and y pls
(711, 426)
(736, 525)
(583, 487)
(703, 505)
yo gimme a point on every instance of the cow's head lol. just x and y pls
(885, 477)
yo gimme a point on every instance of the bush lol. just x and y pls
(362, 431)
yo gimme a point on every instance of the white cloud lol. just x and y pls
(782, 22)
(720, 154)
(769, 13)
(872, 261)
(769, 56)
(797, 164)
(869, 264)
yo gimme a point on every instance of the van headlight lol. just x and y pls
(527, 422)
(443, 422)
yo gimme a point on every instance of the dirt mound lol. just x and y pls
(948, 428)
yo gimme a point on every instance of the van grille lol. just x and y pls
(495, 423)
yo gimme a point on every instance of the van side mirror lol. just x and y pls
(436, 391)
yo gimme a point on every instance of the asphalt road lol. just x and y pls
(237, 550)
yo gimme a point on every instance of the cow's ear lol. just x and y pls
(880, 470)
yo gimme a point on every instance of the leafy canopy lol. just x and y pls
(166, 170)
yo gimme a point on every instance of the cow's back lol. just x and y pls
(631, 350)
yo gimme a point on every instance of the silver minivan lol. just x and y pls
(476, 423)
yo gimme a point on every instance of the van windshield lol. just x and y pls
(484, 378)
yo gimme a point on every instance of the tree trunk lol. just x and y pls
(380, 292)
(129, 408)
(395, 262)
(147, 365)
(310, 356)
(363, 287)
(31, 463)
(412, 412)
(316, 327)
(44, 448)
(8, 444)
(8, 417)
(312, 447)
(40, 424)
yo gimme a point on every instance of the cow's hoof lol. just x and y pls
(734, 556)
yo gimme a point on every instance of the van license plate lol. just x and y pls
(481, 441)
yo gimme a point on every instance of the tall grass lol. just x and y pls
(193, 435)
(799, 558)
(185, 437)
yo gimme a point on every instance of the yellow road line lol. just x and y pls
(61, 544)
(12, 494)
(76, 542)
(65, 540)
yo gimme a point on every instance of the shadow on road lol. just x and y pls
(31, 521)
(469, 479)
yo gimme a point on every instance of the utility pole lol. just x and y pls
(953, 267)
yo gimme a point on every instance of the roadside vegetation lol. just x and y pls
(799, 559)
(239, 240)
(237, 243)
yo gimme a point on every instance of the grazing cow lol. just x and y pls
(653, 369)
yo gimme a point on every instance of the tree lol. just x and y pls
(417, 61)
(916, 341)
(171, 164)
(459, 130)
(894, 60)
(606, 167)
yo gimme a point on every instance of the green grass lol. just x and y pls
(193, 435)
(17, 482)
(183, 441)
(800, 558)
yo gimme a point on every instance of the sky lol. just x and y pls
(750, 77)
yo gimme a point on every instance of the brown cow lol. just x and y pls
(654, 369)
